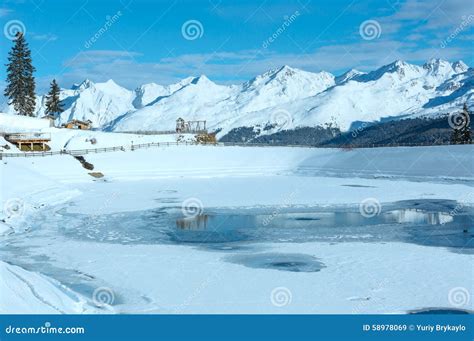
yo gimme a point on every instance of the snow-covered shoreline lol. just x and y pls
(26, 292)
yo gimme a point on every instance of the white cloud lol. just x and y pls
(234, 67)
(426, 16)
(5, 11)
(413, 32)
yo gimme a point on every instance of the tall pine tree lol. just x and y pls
(20, 88)
(53, 104)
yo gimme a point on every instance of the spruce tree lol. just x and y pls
(462, 133)
(456, 136)
(466, 129)
(53, 104)
(20, 88)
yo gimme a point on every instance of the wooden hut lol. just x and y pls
(77, 124)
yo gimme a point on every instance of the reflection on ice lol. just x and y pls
(417, 216)
(423, 222)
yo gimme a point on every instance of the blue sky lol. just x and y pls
(138, 41)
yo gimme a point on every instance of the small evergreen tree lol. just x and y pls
(20, 88)
(53, 104)
(456, 136)
(462, 133)
(466, 136)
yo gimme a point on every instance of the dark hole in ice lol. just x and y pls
(359, 186)
(293, 262)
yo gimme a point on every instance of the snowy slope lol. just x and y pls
(97, 102)
(16, 123)
(150, 93)
(100, 102)
(281, 86)
(283, 98)
(297, 98)
(347, 76)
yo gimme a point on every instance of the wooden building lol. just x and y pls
(77, 124)
(30, 142)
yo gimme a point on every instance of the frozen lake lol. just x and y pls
(268, 225)
(244, 237)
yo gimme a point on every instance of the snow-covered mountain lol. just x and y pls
(98, 102)
(347, 76)
(284, 98)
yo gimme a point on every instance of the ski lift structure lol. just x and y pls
(195, 127)
(190, 127)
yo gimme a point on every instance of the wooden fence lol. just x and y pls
(133, 147)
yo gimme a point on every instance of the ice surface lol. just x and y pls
(282, 212)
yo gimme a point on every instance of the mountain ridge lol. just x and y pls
(279, 99)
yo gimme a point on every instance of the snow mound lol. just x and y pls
(25, 292)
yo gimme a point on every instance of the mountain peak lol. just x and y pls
(86, 83)
(348, 75)
(111, 82)
(287, 68)
(399, 67)
(397, 64)
(459, 66)
(147, 85)
(435, 64)
(202, 79)
(284, 70)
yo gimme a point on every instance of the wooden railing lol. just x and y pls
(133, 147)
(149, 132)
